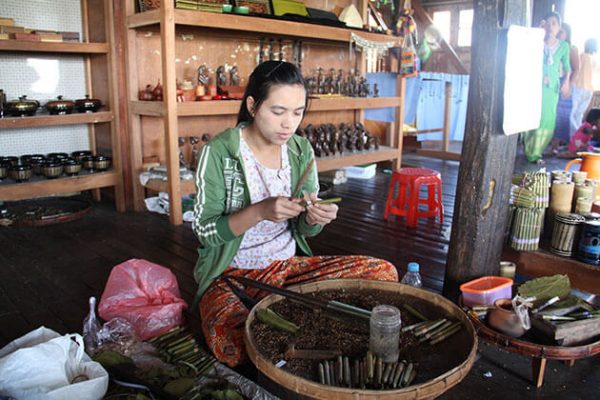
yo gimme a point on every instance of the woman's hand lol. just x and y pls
(565, 90)
(320, 214)
(279, 209)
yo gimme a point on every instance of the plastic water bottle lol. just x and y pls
(91, 327)
(412, 277)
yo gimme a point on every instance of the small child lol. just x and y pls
(580, 141)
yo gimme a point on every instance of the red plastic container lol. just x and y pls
(486, 290)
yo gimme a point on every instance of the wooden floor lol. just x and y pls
(48, 273)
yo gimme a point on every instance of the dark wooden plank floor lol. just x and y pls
(47, 274)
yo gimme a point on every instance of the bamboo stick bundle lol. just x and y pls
(527, 229)
(413, 326)
(427, 328)
(539, 184)
(451, 330)
(510, 219)
(433, 332)
(521, 196)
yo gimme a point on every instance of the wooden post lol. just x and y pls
(447, 116)
(487, 156)
(167, 28)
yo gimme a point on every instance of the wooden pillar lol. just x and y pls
(488, 155)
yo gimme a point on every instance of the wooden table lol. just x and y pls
(539, 353)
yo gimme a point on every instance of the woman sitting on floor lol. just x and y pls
(247, 219)
(587, 132)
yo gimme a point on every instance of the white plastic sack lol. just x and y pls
(44, 365)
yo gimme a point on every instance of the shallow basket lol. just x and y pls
(305, 388)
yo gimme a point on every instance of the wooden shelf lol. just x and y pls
(323, 164)
(42, 187)
(231, 107)
(268, 26)
(49, 120)
(53, 47)
(156, 185)
(169, 22)
(357, 158)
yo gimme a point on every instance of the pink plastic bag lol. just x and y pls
(146, 295)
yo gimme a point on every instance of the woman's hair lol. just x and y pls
(593, 116)
(591, 46)
(567, 29)
(553, 14)
(263, 78)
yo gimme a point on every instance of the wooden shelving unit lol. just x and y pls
(97, 51)
(231, 107)
(41, 187)
(49, 120)
(54, 47)
(169, 21)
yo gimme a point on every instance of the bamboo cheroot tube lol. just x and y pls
(307, 300)
(414, 312)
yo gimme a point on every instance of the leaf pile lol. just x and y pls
(546, 287)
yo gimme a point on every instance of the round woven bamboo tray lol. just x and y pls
(310, 389)
(531, 349)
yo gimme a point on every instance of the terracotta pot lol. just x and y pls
(503, 319)
(590, 163)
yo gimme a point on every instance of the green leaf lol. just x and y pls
(546, 287)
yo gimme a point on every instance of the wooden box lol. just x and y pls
(7, 21)
(32, 37)
(568, 333)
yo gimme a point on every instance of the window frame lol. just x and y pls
(454, 10)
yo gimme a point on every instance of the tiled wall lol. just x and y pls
(43, 77)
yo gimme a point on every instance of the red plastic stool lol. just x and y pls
(409, 181)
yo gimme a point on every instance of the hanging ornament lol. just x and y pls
(406, 28)
(381, 48)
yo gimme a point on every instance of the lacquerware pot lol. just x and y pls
(80, 154)
(87, 104)
(4, 166)
(20, 173)
(12, 160)
(88, 163)
(22, 107)
(36, 165)
(29, 158)
(52, 169)
(102, 163)
(71, 166)
(58, 156)
(60, 106)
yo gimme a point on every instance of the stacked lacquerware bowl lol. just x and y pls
(52, 165)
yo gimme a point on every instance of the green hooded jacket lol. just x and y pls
(222, 190)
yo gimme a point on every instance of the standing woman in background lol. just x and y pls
(583, 88)
(562, 131)
(556, 59)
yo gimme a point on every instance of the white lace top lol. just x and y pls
(267, 241)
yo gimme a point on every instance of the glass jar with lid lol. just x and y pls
(384, 333)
